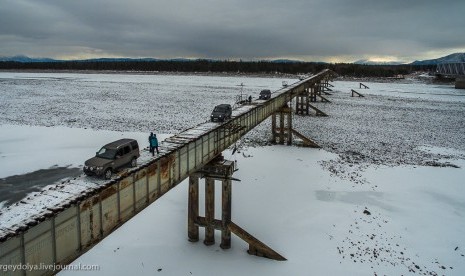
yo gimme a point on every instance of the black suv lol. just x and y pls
(221, 113)
(111, 157)
(265, 94)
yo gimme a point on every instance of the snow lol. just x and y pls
(397, 154)
(421, 90)
(387, 126)
(120, 102)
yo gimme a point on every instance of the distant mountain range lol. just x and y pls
(457, 57)
(26, 59)
(372, 62)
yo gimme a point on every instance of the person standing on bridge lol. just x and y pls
(153, 143)
(150, 143)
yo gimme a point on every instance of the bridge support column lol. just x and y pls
(319, 86)
(193, 208)
(226, 214)
(313, 92)
(220, 169)
(209, 210)
(284, 131)
(326, 86)
(460, 83)
(302, 102)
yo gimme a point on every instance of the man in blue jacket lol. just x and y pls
(153, 143)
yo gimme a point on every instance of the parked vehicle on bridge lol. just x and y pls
(265, 94)
(111, 157)
(221, 113)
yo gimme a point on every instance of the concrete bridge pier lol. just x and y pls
(283, 132)
(460, 83)
(302, 102)
(221, 170)
(314, 91)
(317, 89)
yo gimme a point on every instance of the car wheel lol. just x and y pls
(108, 174)
(134, 162)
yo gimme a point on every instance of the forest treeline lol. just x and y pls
(261, 67)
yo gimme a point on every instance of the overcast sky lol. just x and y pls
(311, 30)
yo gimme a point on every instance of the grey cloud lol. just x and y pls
(231, 29)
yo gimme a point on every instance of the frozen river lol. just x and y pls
(120, 102)
(399, 152)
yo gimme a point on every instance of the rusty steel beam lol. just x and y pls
(357, 93)
(363, 86)
(209, 211)
(305, 140)
(193, 208)
(256, 247)
(226, 214)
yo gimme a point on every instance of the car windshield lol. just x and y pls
(106, 153)
(219, 109)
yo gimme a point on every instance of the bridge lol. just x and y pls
(453, 70)
(60, 233)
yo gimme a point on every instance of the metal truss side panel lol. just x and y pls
(66, 235)
(126, 198)
(140, 182)
(168, 172)
(198, 153)
(191, 158)
(212, 145)
(152, 171)
(10, 254)
(205, 152)
(39, 246)
(90, 221)
(109, 213)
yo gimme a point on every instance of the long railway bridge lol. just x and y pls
(60, 233)
(453, 70)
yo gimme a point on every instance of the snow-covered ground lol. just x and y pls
(120, 102)
(384, 196)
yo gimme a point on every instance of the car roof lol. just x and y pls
(266, 91)
(117, 143)
(223, 105)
